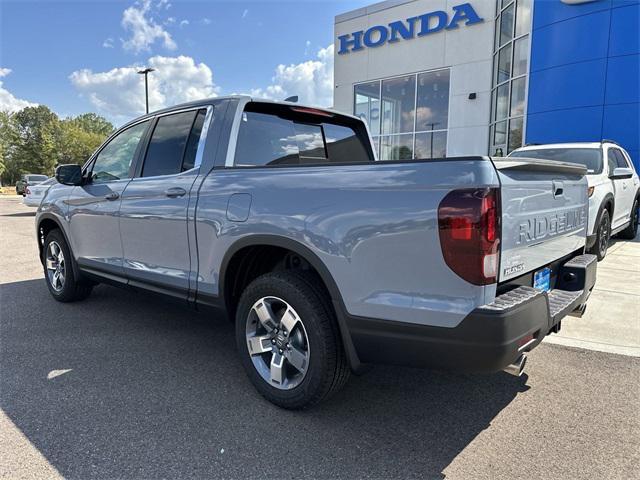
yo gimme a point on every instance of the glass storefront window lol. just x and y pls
(517, 97)
(396, 147)
(515, 134)
(523, 17)
(398, 104)
(500, 133)
(520, 56)
(432, 112)
(502, 102)
(504, 64)
(408, 116)
(506, 24)
(510, 67)
(367, 105)
(431, 145)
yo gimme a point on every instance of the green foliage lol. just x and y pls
(35, 140)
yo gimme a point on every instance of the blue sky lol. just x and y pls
(77, 56)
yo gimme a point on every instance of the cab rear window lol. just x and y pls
(271, 135)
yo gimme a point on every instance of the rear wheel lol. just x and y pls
(631, 231)
(58, 270)
(602, 237)
(288, 339)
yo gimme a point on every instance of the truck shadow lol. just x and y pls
(156, 390)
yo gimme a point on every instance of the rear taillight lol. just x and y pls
(469, 227)
(27, 191)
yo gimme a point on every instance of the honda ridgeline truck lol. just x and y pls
(326, 259)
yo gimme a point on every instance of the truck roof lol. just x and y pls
(242, 98)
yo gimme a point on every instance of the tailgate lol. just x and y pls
(544, 212)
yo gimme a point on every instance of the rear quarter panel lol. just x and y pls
(373, 226)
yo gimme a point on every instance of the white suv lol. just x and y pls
(614, 187)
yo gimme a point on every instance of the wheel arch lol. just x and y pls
(241, 246)
(608, 201)
(46, 223)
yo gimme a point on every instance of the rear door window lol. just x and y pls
(612, 160)
(168, 143)
(285, 137)
(621, 162)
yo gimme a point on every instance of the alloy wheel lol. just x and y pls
(603, 236)
(56, 269)
(277, 342)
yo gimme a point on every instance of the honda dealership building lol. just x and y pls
(449, 77)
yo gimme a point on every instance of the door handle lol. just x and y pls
(112, 196)
(174, 192)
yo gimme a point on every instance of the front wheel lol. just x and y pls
(602, 237)
(288, 339)
(631, 231)
(58, 270)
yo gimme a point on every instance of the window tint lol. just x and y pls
(343, 144)
(167, 146)
(114, 160)
(310, 142)
(589, 157)
(611, 160)
(267, 139)
(620, 160)
(194, 137)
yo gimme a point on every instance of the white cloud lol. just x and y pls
(108, 43)
(9, 103)
(143, 28)
(307, 45)
(245, 12)
(312, 81)
(119, 92)
(184, 23)
(206, 21)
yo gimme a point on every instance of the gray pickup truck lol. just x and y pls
(326, 259)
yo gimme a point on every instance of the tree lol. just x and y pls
(75, 144)
(35, 140)
(7, 141)
(92, 123)
(37, 130)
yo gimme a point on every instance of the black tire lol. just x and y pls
(603, 234)
(70, 289)
(631, 231)
(327, 368)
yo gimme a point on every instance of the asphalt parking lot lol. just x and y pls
(126, 385)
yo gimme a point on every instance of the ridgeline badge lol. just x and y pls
(420, 26)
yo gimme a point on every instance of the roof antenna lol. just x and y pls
(292, 98)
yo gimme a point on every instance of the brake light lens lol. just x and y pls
(312, 111)
(469, 230)
(27, 191)
(590, 191)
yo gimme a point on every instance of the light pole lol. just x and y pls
(146, 72)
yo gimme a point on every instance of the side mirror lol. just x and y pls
(620, 173)
(70, 174)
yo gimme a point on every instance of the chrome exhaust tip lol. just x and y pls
(579, 312)
(517, 367)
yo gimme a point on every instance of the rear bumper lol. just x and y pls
(490, 337)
